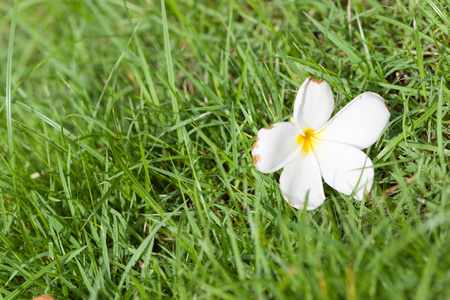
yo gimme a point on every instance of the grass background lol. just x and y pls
(125, 150)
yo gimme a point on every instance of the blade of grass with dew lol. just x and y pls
(439, 125)
(9, 83)
(113, 70)
(419, 55)
(171, 79)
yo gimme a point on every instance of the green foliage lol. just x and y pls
(125, 166)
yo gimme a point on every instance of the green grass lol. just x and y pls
(126, 171)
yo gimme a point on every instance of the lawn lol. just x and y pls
(126, 134)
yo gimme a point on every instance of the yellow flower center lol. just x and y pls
(307, 139)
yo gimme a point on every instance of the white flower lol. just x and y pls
(310, 148)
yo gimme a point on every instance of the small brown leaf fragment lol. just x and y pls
(43, 297)
(270, 127)
(396, 187)
(35, 175)
(256, 159)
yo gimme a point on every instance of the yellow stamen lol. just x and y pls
(307, 139)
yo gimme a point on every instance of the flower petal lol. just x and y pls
(359, 123)
(275, 146)
(313, 104)
(301, 182)
(345, 167)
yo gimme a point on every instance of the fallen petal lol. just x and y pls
(359, 123)
(345, 168)
(301, 182)
(313, 104)
(275, 146)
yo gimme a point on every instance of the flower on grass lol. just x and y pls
(311, 147)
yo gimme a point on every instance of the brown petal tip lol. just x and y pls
(255, 144)
(287, 200)
(316, 80)
(291, 204)
(385, 103)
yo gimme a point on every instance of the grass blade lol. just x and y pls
(8, 83)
